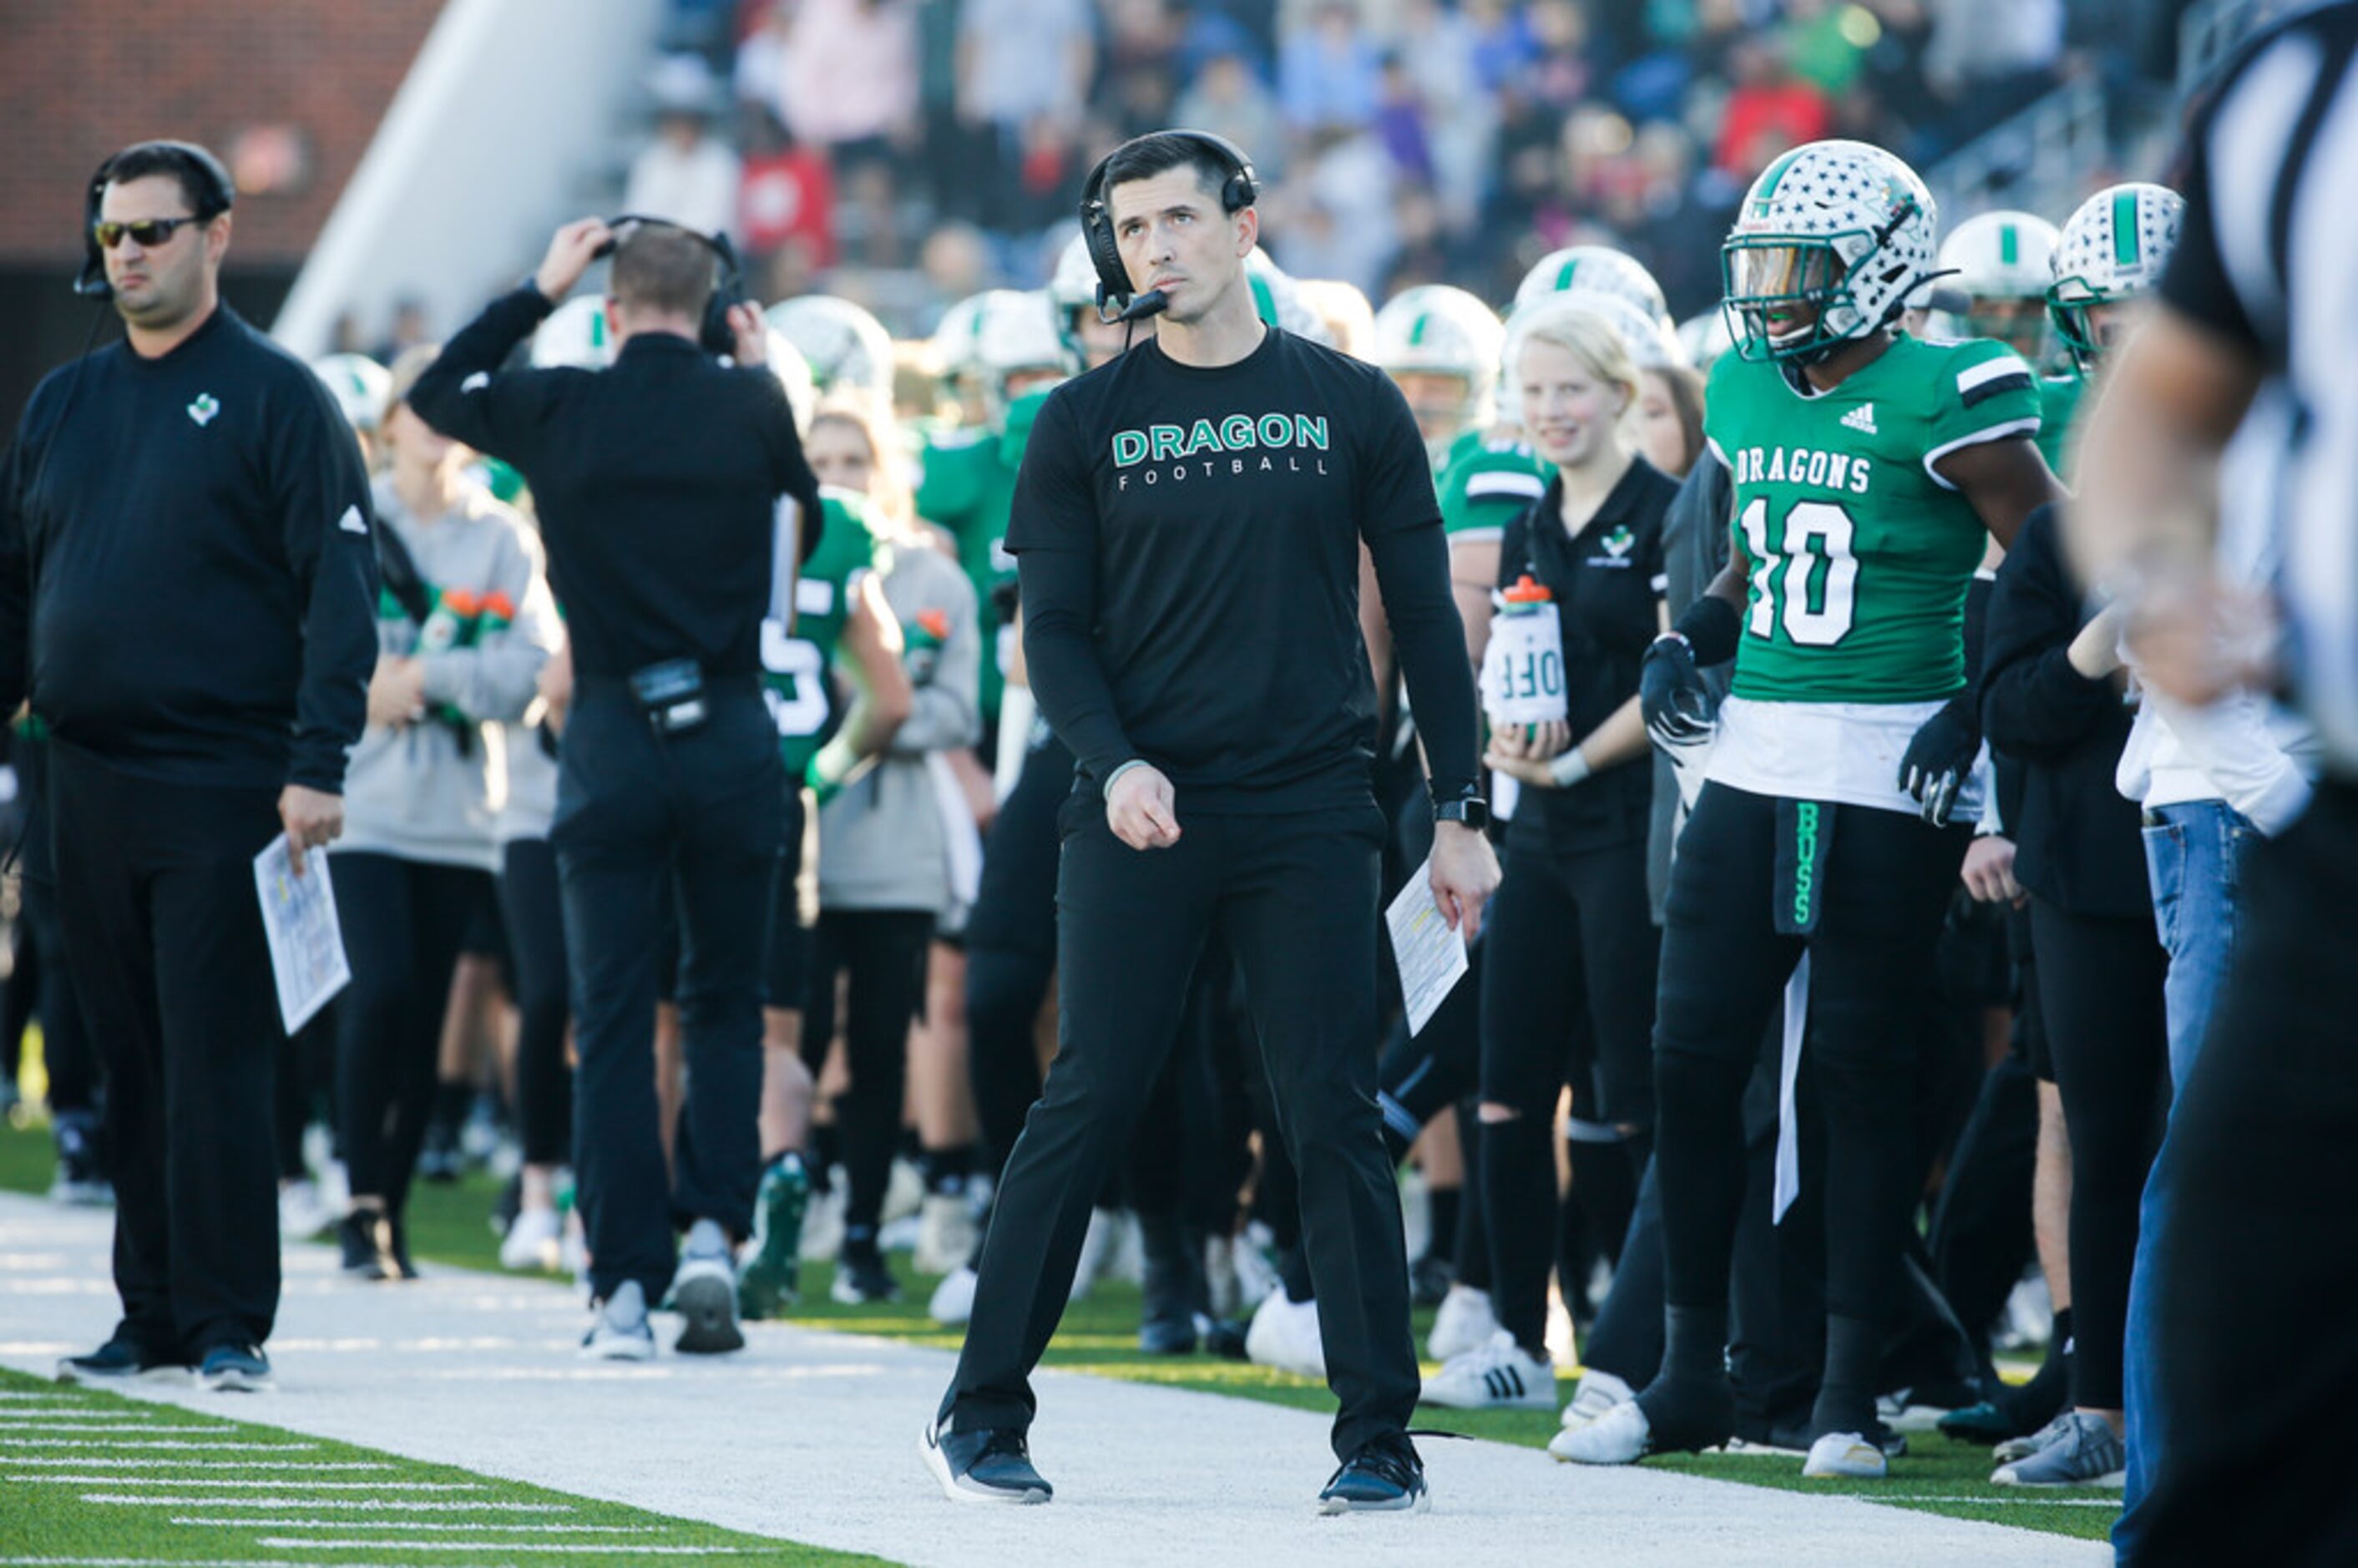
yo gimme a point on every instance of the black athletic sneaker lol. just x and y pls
(861, 1278)
(121, 1360)
(357, 1239)
(1384, 1476)
(982, 1467)
(235, 1368)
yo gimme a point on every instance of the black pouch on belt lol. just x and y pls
(1805, 841)
(672, 695)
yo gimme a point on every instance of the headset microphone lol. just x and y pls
(1153, 302)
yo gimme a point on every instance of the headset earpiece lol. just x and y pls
(714, 335)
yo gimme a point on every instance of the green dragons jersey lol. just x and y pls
(1859, 551)
(966, 485)
(2058, 410)
(799, 662)
(1487, 481)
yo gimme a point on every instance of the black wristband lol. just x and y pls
(1710, 627)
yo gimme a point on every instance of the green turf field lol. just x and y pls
(73, 1486)
(1099, 1335)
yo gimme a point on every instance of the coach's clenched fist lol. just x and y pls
(1139, 808)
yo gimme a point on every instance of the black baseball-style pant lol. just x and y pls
(1879, 890)
(1294, 897)
(163, 930)
(701, 808)
(2255, 1263)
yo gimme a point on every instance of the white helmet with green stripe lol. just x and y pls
(1828, 244)
(2001, 256)
(575, 335)
(2113, 249)
(358, 384)
(1596, 269)
(846, 348)
(1278, 303)
(1434, 329)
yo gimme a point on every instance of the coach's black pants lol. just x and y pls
(1294, 896)
(163, 931)
(705, 809)
(2256, 1262)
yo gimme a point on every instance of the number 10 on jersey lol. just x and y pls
(1816, 591)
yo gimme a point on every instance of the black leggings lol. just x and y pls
(883, 952)
(535, 913)
(404, 922)
(1010, 948)
(2100, 988)
(1567, 996)
(1878, 907)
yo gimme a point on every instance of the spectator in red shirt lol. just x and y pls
(1770, 110)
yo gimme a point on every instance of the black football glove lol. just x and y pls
(1941, 759)
(1672, 693)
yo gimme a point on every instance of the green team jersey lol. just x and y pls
(966, 485)
(1487, 481)
(799, 662)
(1860, 551)
(2058, 410)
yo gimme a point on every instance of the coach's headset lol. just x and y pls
(1240, 190)
(216, 194)
(714, 335)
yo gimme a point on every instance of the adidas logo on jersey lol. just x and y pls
(1861, 419)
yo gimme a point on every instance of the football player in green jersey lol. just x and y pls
(1868, 470)
(2110, 255)
(837, 608)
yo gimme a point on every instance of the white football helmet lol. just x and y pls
(1074, 285)
(1018, 336)
(1839, 233)
(846, 348)
(2112, 249)
(1433, 330)
(574, 334)
(359, 385)
(2002, 262)
(1596, 268)
(793, 373)
(958, 337)
(1278, 302)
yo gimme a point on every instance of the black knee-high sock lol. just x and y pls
(1846, 1392)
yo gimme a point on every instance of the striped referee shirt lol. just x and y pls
(2265, 259)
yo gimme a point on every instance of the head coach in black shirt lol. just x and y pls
(188, 595)
(1187, 524)
(657, 483)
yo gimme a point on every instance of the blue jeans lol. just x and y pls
(2194, 859)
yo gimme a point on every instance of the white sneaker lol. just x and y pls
(704, 1294)
(1621, 1435)
(1845, 1456)
(620, 1331)
(1463, 1322)
(1284, 1335)
(1599, 1392)
(946, 1234)
(823, 1222)
(536, 1240)
(301, 1214)
(1496, 1376)
(953, 1301)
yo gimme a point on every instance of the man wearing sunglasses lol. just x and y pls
(188, 596)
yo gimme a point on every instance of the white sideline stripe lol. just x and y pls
(94, 1462)
(158, 1443)
(195, 1481)
(614, 1547)
(20, 1432)
(22, 1415)
(2113, 1503)
(369, 1504)
(422, 1524)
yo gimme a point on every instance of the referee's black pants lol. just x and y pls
(705, 810)
(2255, 1262)
(1294, 897)
(163, 932)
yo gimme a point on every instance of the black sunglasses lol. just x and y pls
(149, 232)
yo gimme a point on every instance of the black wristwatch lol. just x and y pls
(1469, 808)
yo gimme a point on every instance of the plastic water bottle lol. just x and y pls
(1523, 673)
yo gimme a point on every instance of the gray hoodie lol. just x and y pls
(887, 839)
(431, 790)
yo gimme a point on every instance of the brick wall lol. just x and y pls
(81, 78)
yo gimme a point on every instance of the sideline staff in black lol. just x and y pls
(1187, 524)
(656, 482)
(188, 592)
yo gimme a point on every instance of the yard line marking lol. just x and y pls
(315, 1544)
(19, 1432)
(151, 1443)
(421, 1524)
(371, 1504)
(96, 1462)
(2113, 1503)
(194, 1481)
(22, 1415)
(174, 1561)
